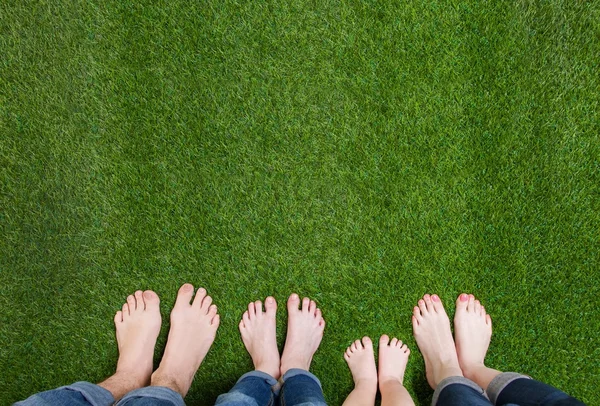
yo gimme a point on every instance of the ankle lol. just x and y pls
(470, 370)
(165, 379)
(366, 385)
(389, 382)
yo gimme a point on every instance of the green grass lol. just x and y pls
(362, 153)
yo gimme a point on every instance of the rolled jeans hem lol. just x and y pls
(500, 382)
(453, 380)
(95, 395)
(297, 371)
(155, 392)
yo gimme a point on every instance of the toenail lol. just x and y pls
(435, 298)
(464, 297)
(270, 300)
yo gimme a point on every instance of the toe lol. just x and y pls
(461, 302)
(305, 304)
(384, 340)
(245, 317)
(422, 307)
(119, 317)
(293, 303)
(477, 306)
(393, 342)
(200, 295)
(139, 300)
(358, 345)
(212, 311)
(312, 307)
(399, 344)
(428, 303)
(258, 306)
(417, 313)
(216, 321)
(206, 304)
(437, 304)
(488, 320)
(125, 311)
(271, 306)
(471, 303)
(131, 303)
(251, 310)
(151, 300)
(367, 343)
(186, 291)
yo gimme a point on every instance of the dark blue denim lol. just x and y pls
(527, 392)
(300, 387)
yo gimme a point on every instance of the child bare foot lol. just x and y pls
(137, 325)
(258, 334)
(361, 361)
(431, 328)
(473, 332)
(193, 330)
(393, 357)
(304, 334)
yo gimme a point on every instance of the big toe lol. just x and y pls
(270, 306)
(151, 300)
(293, 303)
(384, 340)
(461, 302)
(184, 296)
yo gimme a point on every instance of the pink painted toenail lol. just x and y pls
(464, 297)
(435, 298)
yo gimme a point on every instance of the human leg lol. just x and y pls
(304, 334)
(361, 361)
(473, 332)
(393, 357)
(137, 327)
(257, 329)
(192, 332)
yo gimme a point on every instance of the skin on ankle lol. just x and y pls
(361, 361)
(137, 325)
(393, 358)
(304, 334)
(193, 329)
(257, 328)
(431, 328)
(473, 333)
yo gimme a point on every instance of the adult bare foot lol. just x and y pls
(431, 328)
(361, 361)
(473, 333)
(304, 334)
(137, 325)
(193, 330)
(258, 334)
(393, 357)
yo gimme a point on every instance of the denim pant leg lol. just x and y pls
(252, 389)
(513, 388)
(300, 387)
(459, 391)
(77, 394)
(152, 396)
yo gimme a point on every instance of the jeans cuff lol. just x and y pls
(500, 382)
(453, 380)
(297, 371)
(156, 392)
(94, 394)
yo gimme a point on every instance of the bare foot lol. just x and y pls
(304, 334)
(361, 361)
(193, 330)
(138, 325)
(393, 357)
(258, 334)
(473, 333)
(431, 328)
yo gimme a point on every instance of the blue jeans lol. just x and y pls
(506, 389)
(297, 387)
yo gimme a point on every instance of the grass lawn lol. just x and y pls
(362, 153)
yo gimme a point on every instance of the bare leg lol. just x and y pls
(258, 334)
(193, 330)
(361, 361)
(138, 325)
(304, 334)
(473, 332)
(393, 357)
(431, 328)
